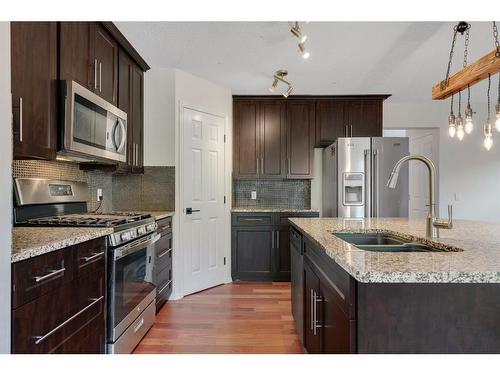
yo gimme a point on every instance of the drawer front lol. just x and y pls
(162, 277)
(49, 323)
(251, 219)
(90, 257)
(283, 216)
(40, 275)
(163, 252)
(165, 224)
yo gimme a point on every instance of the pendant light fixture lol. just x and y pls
(488, 136)
(451, 121)
(459, 122)
(497, 107)
(469, 125)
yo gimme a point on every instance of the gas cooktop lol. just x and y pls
(94, 219)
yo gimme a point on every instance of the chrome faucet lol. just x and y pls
(432, 221)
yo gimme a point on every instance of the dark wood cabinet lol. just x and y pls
(106, 63)
(68, 286)
(353, 117)
(131, 101)
(261, 245)
(259, 139)
(34, 88)
(300, 138)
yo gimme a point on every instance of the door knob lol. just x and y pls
(189, 211)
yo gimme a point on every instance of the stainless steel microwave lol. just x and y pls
(92, 128)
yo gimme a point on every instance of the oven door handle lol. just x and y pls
(135, 246)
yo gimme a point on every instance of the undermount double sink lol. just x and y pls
(385, 242)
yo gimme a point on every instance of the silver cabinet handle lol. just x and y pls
(39, 339)
(164, 253)
(315, 320)
(165, 287)
(139, 325)
(93, 256)
(262, 165)
(314, 313)
(351, 130)
(20, 119)
(95, 74)
(49, 275)
(272, 240)
(100, 77)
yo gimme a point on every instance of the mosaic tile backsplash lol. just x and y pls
(272, 193)
(153, 191)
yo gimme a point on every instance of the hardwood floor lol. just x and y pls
(240, 317)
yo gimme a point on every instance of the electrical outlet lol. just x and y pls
(254, 195)
(99, 194)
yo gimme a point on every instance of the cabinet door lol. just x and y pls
(106, 60)
(272, 139)
(300, 136)
(330, 121)
(125, 99)
(34, 80)
(76, 53)
(253, 253)
(312, 341)
(365, 117)
(246, 135)
(283, 266)
(137, 118)
(335, 328)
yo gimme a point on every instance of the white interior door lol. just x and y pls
(202, 184)
(422, 142)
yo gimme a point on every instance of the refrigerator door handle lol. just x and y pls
(368, 200)
(375, 192)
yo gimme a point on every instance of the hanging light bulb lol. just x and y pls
(497, 107)
(488, 137)
(459, 122)
(469, 125)
(451, 121)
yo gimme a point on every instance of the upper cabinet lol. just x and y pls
(300, 138)
(94, 54)
(359, 116)
(34, 87)
(89, 56)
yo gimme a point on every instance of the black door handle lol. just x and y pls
(189, 211)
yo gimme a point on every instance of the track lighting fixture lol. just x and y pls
(297, 32)
(279, 76)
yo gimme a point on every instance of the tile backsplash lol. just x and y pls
(272, 193)
(152, 191)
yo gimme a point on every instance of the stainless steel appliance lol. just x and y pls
(130, 292)
(93, 129)
(355, 172)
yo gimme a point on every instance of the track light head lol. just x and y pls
(297, 32)
(288, 91)
(272, 88)
(303, 51)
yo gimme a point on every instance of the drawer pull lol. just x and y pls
(252, 219)
(139, 325)
(49, 275)
(39, 339)
(93, 256)
(165, 287)
(164, 253)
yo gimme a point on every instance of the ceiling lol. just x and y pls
(400, 58)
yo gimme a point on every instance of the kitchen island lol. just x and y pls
(359, 301)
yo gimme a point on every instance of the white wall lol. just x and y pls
(159, 117)
(469, 175)
(204, 95)
(5, 186)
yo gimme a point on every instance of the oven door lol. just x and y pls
(130, 287)
(93, 128)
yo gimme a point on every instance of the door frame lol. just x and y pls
(178, 230)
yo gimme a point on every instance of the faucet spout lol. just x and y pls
(431, 230)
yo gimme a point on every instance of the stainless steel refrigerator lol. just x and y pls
(355, 172)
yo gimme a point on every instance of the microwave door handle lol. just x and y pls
(124, 136)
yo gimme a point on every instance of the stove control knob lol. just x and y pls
(133, 234)
(125, 236)
(151, 227)
(141, 231)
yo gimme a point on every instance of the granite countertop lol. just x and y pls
(479, 262)
(158, 215)
(270, 209)
(28, 242)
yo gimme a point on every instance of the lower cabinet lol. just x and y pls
(261, 245)
(162, 269)
(58, 301)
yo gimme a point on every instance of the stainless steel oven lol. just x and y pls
(131, 293)
(93, 129)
